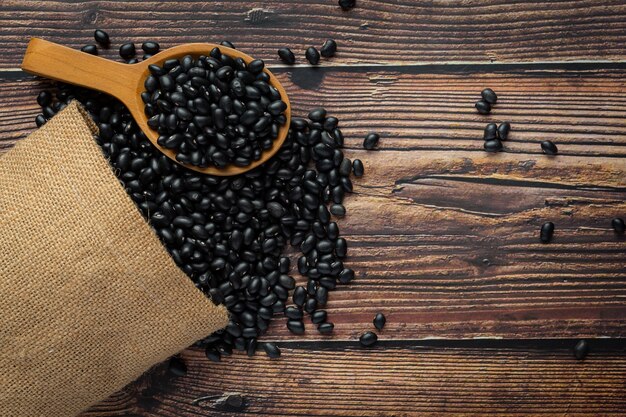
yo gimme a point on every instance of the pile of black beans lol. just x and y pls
(228, 234)
(213, 110)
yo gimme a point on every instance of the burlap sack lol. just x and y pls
(89, 298)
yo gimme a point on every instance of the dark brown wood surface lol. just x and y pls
(443, 237)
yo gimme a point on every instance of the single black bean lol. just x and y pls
(371, 141)
(287, 56)
(299, 296)
(503, 130)
(325, 328)
(346, 276)
(272, 350)
(338, 210)
(90, 49)
(311, 305)
(493, 145)
(491, 132)
(581, 350)
(549, 148)
(358, 168)
(127, 50)
(489, 96)
(368, 339)
(618, 225)
(295, 326)
(293, 313)
(318, 317)
(251, 346)
(329, 48)
(547, 231)
(312, 55)
(379, 321)
(483, 107)
(102, 37)
(347, 4)
(150, 47)
(212, 354)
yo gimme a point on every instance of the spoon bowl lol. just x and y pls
(126, 83)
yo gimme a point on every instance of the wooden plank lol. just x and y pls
(443, 236)
(375, 32)
(393, 381)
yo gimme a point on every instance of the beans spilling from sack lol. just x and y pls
(228, 234)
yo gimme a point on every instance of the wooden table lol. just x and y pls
(482, 317)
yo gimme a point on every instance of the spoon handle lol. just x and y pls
(50, 60)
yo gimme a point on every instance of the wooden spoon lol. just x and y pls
(126, 83)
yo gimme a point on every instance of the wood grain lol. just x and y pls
(375, 32)
(394, 381)
(443, 236)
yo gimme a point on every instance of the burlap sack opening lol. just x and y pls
(89, 298)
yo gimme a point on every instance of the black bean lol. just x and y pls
(299, 296)
(358, 168)
(287, 56)
(346, 275)
(371, 141)
(547, 231)
(549, 148)
(311, 305)
(321, 295)
(379, 321)
(325, 328)
(102, 37)
(251, 345)
(489, 96)
(491, 132)
(256, 66)
(272, 350)
(44, 98)
(150, 47)
(312, 55)
(177, 366)
(228, 44)
(368, 339)
(581, 350)
(318, 317)
(127, 50)
(329, 48)
(338, 210)
(295, 326)
(493, 145)
(483, 107)
(294, 313)
(90, 49)
(347, 4)
(503, 130)
(618, 225)
(212, 354)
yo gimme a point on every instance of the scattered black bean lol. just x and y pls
(379, 321)
(483, 107)
(325, 328)
(357, 168)
(489, 96)
(368, 339)
(347, 4)
(272, 350)
(127, 51)
(329, 48)
(581, 350)
(503, 130)
(101, 37)
(549, 148)
(312, 55)
(287, 56)
(177, 366)
(295, 326)
(546, 233)
(371, 141)
(618, 225)
(493, 145)
(90, 49)
(491, 132)
(213, 354)
(150, 47)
